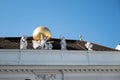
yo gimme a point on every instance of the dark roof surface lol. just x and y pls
(14, 43)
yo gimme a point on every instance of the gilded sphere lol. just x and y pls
(41, 30)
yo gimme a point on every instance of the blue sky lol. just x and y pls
(97, 20)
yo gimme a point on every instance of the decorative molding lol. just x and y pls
(96, 70)
(58, 69)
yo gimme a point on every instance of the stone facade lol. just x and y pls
(16, 64)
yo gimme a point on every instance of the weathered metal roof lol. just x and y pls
(14, 43)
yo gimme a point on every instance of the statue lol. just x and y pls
(63, 43)
(41, 35)
(43, 43)
(118, 47)
(23, 42)
(36, 44)
(49, 45)
(89, 46)
(81, 37)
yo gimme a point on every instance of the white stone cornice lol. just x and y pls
(58, 57)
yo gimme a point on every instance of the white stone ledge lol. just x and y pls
(58, 57)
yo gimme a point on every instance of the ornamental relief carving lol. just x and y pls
(46, 77)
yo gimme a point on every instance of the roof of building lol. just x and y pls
(14, 43)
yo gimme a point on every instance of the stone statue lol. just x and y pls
(118, 47)
(63, 43)
(43, 43)
(49, 45)
(23, 42)
(81, 38)
(36, 44)
(89, 46)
